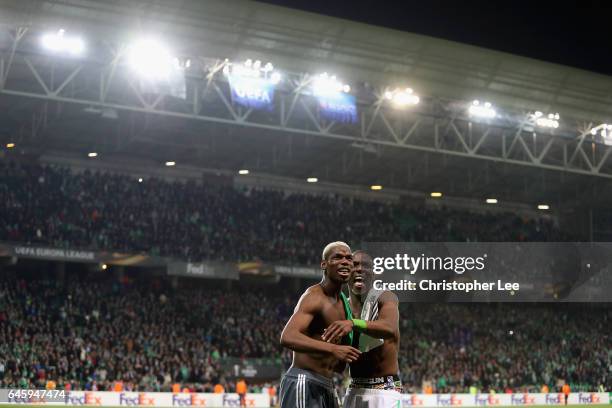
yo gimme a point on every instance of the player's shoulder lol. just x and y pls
(388, 296)
(312, 297)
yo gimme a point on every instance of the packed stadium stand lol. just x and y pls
(91, 332)
(195, 221)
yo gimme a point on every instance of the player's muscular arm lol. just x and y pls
(387, 324)
(384, 327)
(294, 335)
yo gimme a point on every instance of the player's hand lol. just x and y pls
(337, 330)
(347, 354)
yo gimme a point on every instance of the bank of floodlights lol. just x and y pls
(482, 110)
(327, 85)
(252, 69)
(61, 43)
(402, 98)
(549, 121)
(151, 59)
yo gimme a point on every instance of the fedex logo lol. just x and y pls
(140, 399)
(88, 398)
(588, 398)
(486, 399)
(554, 399)
(231, 401)
(449, 401)
(412, 401)
(521, 399)
(192, 401)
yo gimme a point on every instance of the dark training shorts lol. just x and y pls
(305, 389)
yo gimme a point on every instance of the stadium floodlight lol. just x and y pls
(243, 172)
(59, 42)
(140, 179)
(151, 59)
(402, 97)
(543, 207)
(436, 194)
(170, 163)
(312, 179)
(604, 130)
(549, 121)
(104, 266)
(327, 85)
(92, 154)
(376, 187)
(10, 145)
(491, 200)
(482, 110)
(253, 70)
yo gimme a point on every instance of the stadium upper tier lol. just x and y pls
(196, 222)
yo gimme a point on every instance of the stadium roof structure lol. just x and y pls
(51, 102)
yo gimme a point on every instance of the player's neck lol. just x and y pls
(356, 302)
(331, 288)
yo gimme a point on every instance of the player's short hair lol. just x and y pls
(328, 248)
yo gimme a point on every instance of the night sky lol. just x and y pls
(573, 33)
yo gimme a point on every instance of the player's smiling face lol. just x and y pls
(361, 274)
(339, 264)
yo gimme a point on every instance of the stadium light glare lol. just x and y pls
(140, 179)
(243, 172)
(59, 42)
(376, 187)
(104, 267)
(605, 131)
(549, 121)
(312, 179)
(92, 154)
(543, 207)
(151, 59)
(402, 97)
(481, 110)
(491, 200)
(10, 145)
(253, 70)
(170, 163)
(326, 85)
(436, 194)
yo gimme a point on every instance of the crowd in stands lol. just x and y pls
(56, 207)
(147, 335)
(92, 334)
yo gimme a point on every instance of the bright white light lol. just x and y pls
(491, 200)
(486, 111)
(151, 59)
(10, 145)
(312, 179)
(275, 78)
(253, 70)
(243, 172)
(140, 180)
(58, 42)
(325, 85)
(92, 154)
(170, 163)
(376, 187)
(543, 207)
(402, 98)
(104, 266)
(436, 194)
(551, 121)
